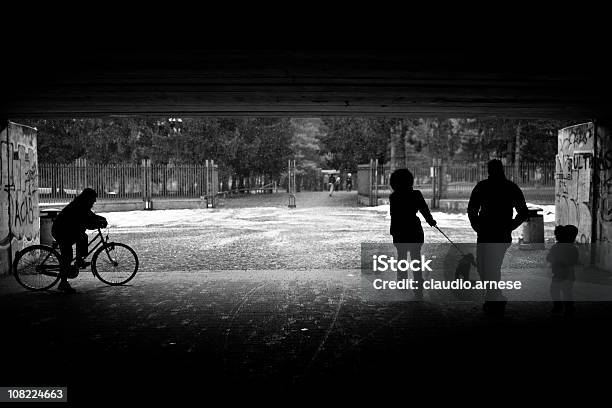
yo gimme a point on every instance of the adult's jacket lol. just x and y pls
(491, 209)
(74, 219)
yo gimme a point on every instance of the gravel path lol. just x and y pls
(261, 232)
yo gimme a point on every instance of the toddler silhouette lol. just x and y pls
(563, 256)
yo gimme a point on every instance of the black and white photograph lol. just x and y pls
(181, 222)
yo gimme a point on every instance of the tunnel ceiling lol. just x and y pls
(525, 83)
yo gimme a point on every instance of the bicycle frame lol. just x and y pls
(101, 241)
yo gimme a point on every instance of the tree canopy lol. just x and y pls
(247, 146)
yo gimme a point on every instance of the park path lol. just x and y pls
(261, 232)
(307, 199)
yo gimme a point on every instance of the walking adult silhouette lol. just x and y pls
(406, 229)
(491, 213)
(332, 184)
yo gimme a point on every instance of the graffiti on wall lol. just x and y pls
(23, 198)
(603, 178)
(19, 196)
(574, 169)
(604, 161)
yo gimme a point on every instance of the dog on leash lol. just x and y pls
(464, 266)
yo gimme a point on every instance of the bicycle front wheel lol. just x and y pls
(37, 267)
(115, 263)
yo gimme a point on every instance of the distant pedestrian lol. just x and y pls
(490, 210)
(408, 236)
(563, 256)
(332, 184)
(338, 183)
(349, 182)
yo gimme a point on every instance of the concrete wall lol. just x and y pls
(362, 183)
(603, 180)
(584, 186)
(19, 215)
(574, 179)
(137, 205)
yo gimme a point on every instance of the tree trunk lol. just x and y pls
(398, 149)
(517, 153)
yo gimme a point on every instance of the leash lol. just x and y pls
(455, 245)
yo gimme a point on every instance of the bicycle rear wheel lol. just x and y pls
(37, 267)
(115, 263)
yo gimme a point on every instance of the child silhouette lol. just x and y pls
(563, 256)
(406, 228)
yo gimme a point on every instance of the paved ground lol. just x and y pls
(260, 232)
(183, 328)
(205, 332)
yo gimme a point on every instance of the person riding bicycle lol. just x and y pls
(69, 228)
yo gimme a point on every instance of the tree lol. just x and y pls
(348, 142)
(247, 146)
(305, 142)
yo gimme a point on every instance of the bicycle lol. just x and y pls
(37, 267)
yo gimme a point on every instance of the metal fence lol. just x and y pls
(235, 185)
(537, 180)
(182, 181)
(62, 182)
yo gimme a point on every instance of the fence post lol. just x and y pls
(206, 183)
(214, 183)
(291, 182)
(435, 183)
(373, 182)
(442, 178)
(84, 172)
(146, 184)
(150, 183)
(211, 180)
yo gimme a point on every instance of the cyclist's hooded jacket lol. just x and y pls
(76, 217)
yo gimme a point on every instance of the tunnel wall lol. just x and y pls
(603, 226)
(583, 195)
(19, 213)
(573, 179)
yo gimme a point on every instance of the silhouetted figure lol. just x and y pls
(349, 182)
(332, 184)
(463, 267)
(405, 224)
(69, 228)
(563, 256)
(490, 211)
